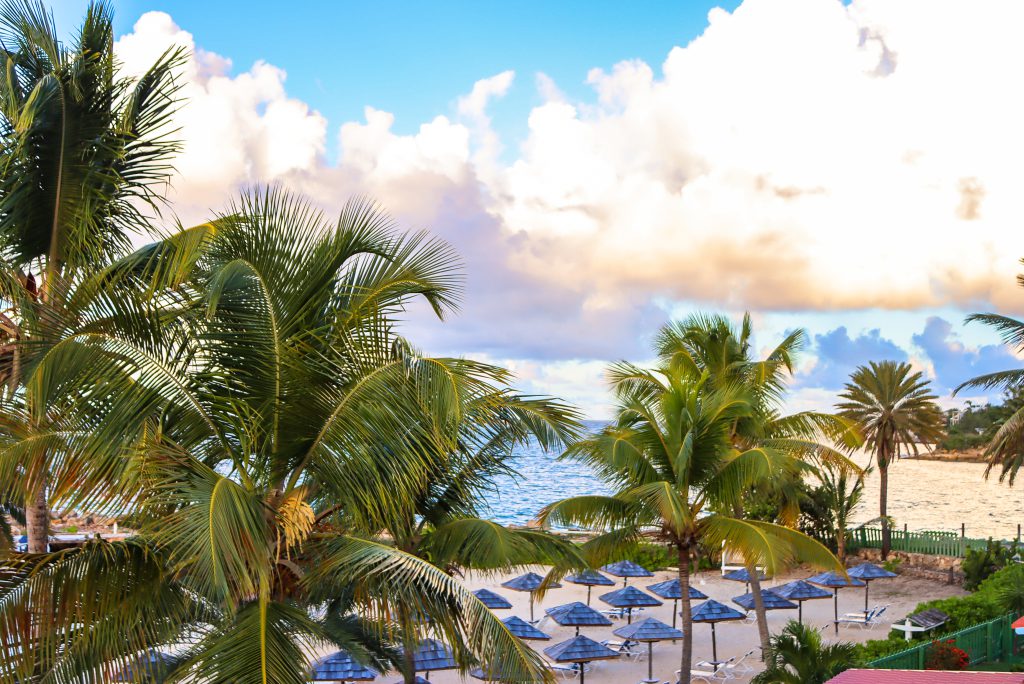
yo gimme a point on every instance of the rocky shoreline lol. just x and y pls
(965, 456)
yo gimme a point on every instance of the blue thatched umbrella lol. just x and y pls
(340, 667)
(626, 569)
(530, 582)
(577, 614)
(743, 575)
(835, 582)
(430, 655)
(151, 666)
(492, 600)
(673, 589)
(524, 630)
(769, 599)
(713, 612)
(649, 630)
(629, 598)
(867, 572)
(801, 591)
(579, 649)
(591, 579)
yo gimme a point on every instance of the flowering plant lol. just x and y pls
(944, 655)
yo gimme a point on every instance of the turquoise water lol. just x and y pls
(543, 479)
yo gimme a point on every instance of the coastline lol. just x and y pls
(965, 456)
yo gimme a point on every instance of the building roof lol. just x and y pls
(925, 677)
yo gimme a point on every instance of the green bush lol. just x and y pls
(979, 564)
(987, 603)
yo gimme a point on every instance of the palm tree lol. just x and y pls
(84, 156)
(798, 656)
(712, 344)
(831, 503)
(896, 410)
(669, 458)
(275, 426)
(1006, 448)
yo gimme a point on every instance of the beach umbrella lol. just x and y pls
(626, 569)
(629, 598)
(673, 589)
(577, 614)
(524, 630)
(340, 667)
(835, 582)
(743, 575)
(649, 630)
(579, 649)
(149, 666)
(801, 591)
(713, 612)
(430, 655)
(868, 572)
(492, 600)
(1018, 626)
(590, 578)
(530, 582)
(769, 598)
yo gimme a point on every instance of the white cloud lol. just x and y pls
(799, 155)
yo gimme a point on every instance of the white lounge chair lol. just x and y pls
(741, 666)
(863, 621)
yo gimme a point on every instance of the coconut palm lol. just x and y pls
(1006, 448)
(84, 155)
(799, 656)
(713, 344)
(669, 458)
(896, 410)
(272, 431)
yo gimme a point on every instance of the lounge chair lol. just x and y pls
(710, 673)
(569, 671)
(741, 666)
(626, 648)
(863, 621)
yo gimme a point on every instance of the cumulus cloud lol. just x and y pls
(798, 155)
(952, 362)
(836, 354)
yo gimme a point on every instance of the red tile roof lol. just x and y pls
(925, 677)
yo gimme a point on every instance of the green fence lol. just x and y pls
(925, 541)
(990, 641)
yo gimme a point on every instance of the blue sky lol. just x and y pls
(603, 167)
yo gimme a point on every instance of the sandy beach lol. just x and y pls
(734, 638)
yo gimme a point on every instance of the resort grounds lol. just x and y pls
(903, 593)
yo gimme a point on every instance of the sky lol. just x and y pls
(847, 168)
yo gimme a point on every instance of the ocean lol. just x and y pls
(924, 495)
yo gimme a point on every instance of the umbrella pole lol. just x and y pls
(714, 644)
(835, 609)
(588, 594)
(675, 614)
(583, 672)
(531, 608)
(867, 586)
(650, 661)
(800, 612)
(629, 616)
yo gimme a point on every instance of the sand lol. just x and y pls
(734, 638)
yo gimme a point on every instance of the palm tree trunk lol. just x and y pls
(841, 543)
(37, 520)
(755, 589)
(762, 614)
(687, 619)
(883, 495)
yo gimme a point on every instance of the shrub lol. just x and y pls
(71, 529)
(979, 564)
(987, 603)
(944, 655)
